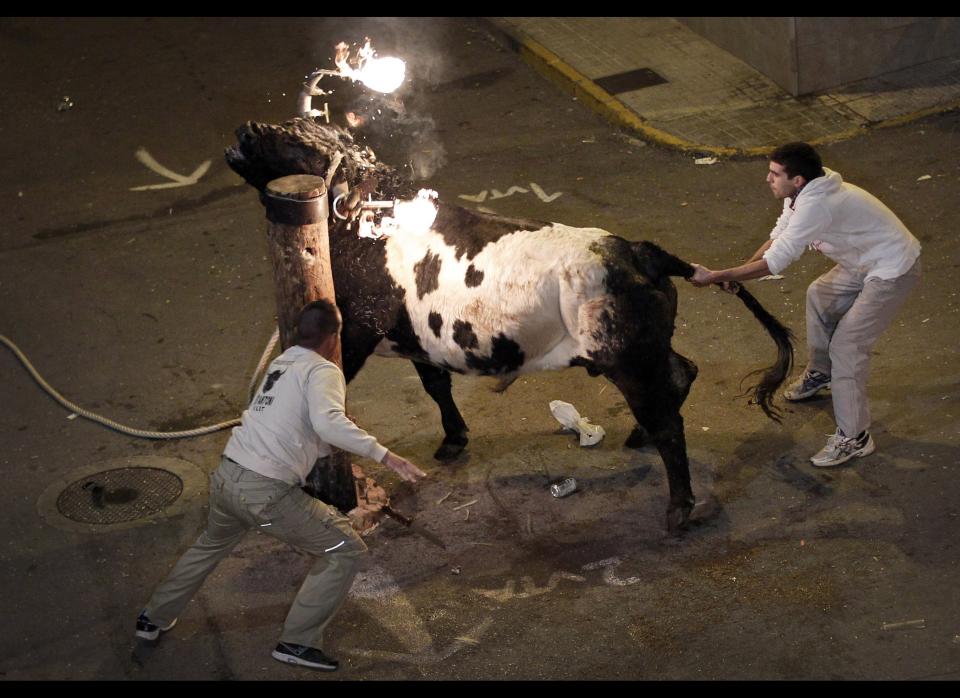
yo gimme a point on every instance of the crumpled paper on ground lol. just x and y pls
(567, 415)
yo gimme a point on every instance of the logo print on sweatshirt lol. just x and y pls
(271, 379)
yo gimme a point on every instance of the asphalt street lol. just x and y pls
(134, 274)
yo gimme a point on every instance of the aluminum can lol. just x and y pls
(564, 487)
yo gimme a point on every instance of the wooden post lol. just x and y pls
(300, 251)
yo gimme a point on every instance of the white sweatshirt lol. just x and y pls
(847, 224)
(295, 417)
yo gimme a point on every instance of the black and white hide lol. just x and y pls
(481, 294)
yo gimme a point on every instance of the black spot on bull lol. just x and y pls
(505, 357)
(464, 335)
(435, 322)
(468, 232)
(405, 340)
(474, 276)
(427, 274)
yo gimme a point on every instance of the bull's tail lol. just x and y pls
(657, 263)
(772, 377)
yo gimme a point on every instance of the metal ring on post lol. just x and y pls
(296, 200)
(333, 206)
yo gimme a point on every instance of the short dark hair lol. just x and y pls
(317, 321)
(799, 159)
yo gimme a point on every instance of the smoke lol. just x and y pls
(399, 127)
(425, 153)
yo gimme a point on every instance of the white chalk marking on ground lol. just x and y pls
(608, 565)
(430, 656)
(497, 194)
(542, 195)
(179, 180)
(393, 609)
(528, 588)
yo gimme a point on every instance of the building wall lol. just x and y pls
(764, 43)
(808, 54)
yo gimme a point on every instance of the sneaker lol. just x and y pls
(146, 630)
(304, 656)
(841, 448)
(808, 385)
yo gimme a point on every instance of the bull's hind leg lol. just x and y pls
(683, 372)
(655, 394)
(437, 383)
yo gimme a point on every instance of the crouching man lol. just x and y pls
(849, 307)
(296, 416)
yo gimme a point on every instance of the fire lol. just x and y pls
(414, 216)
(379, 74)
(418, 214)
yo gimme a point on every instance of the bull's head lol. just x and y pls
(307, 145)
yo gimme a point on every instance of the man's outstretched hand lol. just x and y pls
(704, 277)
(701, 276)
(402, 467)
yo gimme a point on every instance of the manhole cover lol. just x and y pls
(115, 496)
(121, 493)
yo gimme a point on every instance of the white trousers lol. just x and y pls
(846, 314)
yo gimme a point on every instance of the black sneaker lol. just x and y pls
(147, 630)
(304, 656)
(807, 385)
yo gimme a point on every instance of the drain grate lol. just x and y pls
(630, 81)
(115, 496)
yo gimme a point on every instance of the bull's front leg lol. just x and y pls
(438, 384)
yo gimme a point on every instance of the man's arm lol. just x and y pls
(326, 395)
(749, 270)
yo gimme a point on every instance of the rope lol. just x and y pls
(129, 431)
(263, 362)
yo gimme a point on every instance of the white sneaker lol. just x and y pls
(807, 385)
(841, 448)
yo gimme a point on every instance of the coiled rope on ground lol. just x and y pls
(130, 431)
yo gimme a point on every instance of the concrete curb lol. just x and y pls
(553, 67)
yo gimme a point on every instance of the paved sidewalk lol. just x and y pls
(701, 98)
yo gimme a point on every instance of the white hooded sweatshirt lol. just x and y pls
(295, 417)
(847, 224)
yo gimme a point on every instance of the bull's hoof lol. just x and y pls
(449, 451)
(678, 518)
(637, 439)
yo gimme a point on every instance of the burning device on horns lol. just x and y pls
(416, 215)
(383, 75)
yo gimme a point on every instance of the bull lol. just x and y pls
(482, 294)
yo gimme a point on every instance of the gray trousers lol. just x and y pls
(241, 499)
(846, 314)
